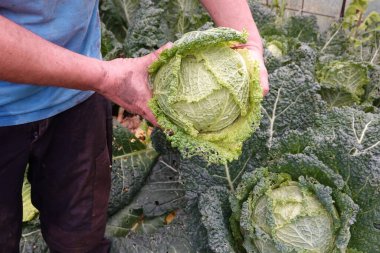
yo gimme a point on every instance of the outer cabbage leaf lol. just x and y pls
(362, 129)
(197, 40)
(198, 177)
(158, 21)
(304, 28)
(163, 191)
(160, 193)
(158, 238)
(142, 225)
(215, 209)
(183, 16)
(110, 47)
(293, 103)
(117, 15)
(350, 144)
(215, 146)
(28, 210)
(343, 82)
(129, 173)
(33, 242)
(372, 94)
(123, 141)
(263, 15)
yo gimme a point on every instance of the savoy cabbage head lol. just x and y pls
(206, 95)
(279, 212)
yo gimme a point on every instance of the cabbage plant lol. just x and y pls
(206, 95)
(275, 214)
(280, 209)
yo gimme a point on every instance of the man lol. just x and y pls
(51, 119)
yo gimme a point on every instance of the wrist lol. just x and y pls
(101, 76)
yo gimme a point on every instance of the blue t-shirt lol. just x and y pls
(71, 24)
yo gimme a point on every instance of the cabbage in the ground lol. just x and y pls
(274, 213)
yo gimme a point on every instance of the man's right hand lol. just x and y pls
(126, 83)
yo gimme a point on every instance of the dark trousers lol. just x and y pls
(69, 171)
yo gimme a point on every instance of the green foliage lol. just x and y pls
(330, 154)
(124, 142)
(141, 224)
(304, 28)
(129, 173)
(142, 26)
(272, 22)
(161, 238)
(339, 148)
(110, 47)
(275, 214)
(353, 15)
(29, 212)
(343, 82)
(342, 154)
(357, 35)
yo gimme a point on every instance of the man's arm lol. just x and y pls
(236, 14)
(28, 58)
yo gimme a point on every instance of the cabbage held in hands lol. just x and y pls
(206, 95)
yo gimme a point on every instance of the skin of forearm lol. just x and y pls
(28, 58)
(234, 14)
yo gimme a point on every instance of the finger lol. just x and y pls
(264, 85)
(154, 55)
(264, 82)
(148, 115)
(120, 114)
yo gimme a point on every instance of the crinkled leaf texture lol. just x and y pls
(228, 216)
(129, 174)
(131, 164)
(197, 177)
(33, 242)
(293, 103)
(142, 26)
(340, 148)
(158, 238)
(345, 141)
(343, 82)
(161, 193)
(206, 95)
(268, 235)
(349, 143)
(123, 141)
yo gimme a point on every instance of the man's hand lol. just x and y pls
(126, 83)
(236, 14)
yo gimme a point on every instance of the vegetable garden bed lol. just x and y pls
(319, 136)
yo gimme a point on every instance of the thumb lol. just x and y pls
(154, 55)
